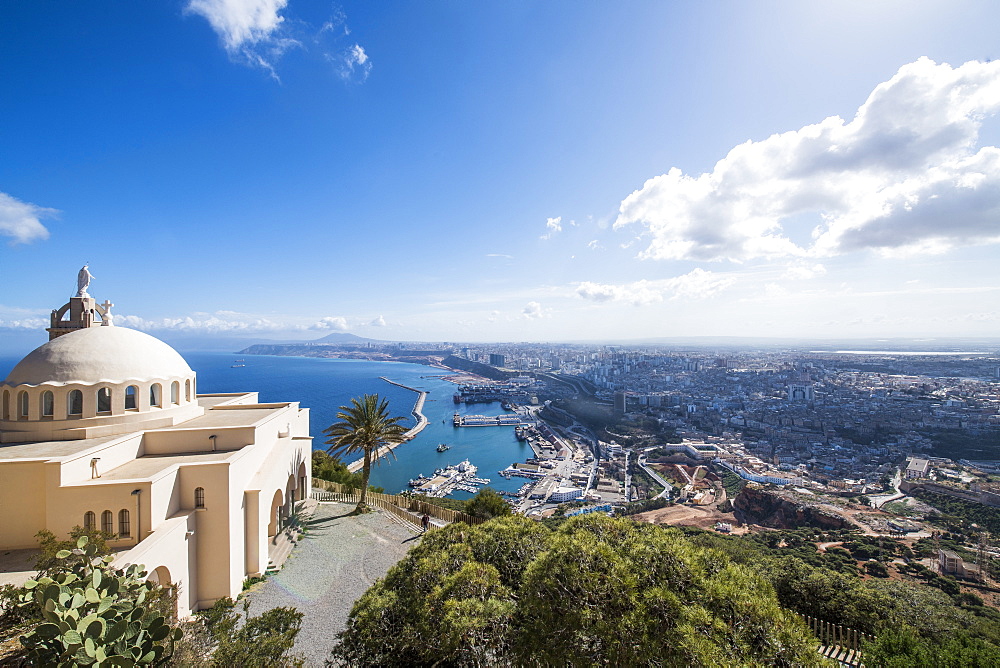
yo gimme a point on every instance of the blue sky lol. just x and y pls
(504, 171)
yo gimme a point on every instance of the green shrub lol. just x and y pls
(92, 613)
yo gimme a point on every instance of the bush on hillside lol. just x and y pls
(597, 590)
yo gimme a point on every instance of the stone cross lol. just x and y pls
(108, 320)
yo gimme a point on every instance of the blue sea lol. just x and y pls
(323, 385)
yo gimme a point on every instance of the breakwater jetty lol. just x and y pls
(418, 415)
(489, 420)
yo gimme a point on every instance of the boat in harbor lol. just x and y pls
(456, 477)
(442, 447)
(419, 480)
(237, 364)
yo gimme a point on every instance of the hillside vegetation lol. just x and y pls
(594, 590)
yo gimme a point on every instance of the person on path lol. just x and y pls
(425, 521)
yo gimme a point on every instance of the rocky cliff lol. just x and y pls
(781, 510)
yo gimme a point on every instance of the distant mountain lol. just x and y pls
(339, 337)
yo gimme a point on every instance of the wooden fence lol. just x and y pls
(838, 642)
(405, 507)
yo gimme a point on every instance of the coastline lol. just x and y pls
(417, 412)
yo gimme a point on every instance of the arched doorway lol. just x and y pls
(160, 576)
(274, 525)
(301, 482)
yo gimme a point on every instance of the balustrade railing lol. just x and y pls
(405, 507)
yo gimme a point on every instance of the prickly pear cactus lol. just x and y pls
(93, 615)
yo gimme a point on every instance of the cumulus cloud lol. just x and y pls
(902, 176)
(377, 322)
(696, 284)
(331, 322)
(533, 311)
(594, 245)
(553, 226)
(249, 29)
(21, 221)
(240, 22)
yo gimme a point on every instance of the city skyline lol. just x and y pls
(504, 172)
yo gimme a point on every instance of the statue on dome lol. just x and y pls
(83, 281)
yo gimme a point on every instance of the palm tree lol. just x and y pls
(364, 427)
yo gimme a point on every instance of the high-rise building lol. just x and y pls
(496, 359)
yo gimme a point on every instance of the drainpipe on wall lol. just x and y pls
(137, 493)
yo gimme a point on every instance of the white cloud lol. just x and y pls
(377, 322)
(696, 284)
(219, 322)
(594, 245)
(251, 30)
(902, 177)
(803, 271)
(22, 221)
(533, 311)
(355, 63)
(553, 227)
(332, 322)
(503, 255)
(240, 22)
(24, 323)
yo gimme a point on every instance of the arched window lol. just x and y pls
(175, 392)
(74, 403)
(48, 404)
(89, 520)
(199, 497)
(187, 390)
(104, 400)
(155, 393)
(108, 522)
(22, 405)
(6, 405)
(124, 525)
(131, 403)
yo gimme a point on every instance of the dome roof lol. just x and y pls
(99, 354)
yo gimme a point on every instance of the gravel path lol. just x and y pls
(333, 565)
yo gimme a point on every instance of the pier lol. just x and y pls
(417, 413)
(489, 421)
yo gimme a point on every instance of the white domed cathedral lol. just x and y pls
(102, 427)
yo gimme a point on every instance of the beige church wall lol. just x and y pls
(23, 504)
(112, 455)
(235, 522)
(180, 440)
(164, 498)
(237, 398)
(91, 426)
(255, 536)
(215, 559)
(220, 525)
(68, 504)
(170, 547)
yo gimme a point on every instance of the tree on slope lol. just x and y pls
(597, 591)
(363, 428)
